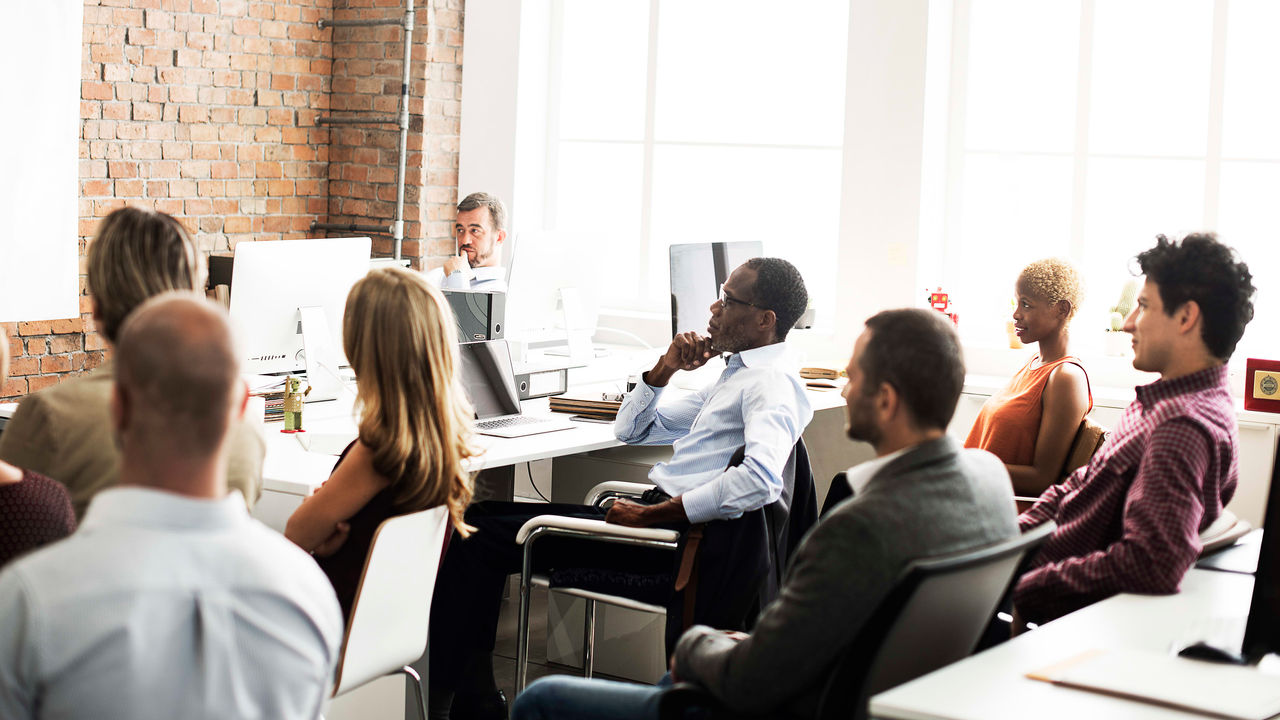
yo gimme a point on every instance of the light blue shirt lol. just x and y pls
(164, 606)
(758, 401)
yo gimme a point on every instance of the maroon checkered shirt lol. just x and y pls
(1130, 520)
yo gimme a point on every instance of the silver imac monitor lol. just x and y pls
(697, 269)
(276, 284)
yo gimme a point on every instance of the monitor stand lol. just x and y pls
(321, 356)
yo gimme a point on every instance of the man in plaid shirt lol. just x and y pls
(1130, 520)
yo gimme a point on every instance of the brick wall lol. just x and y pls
(367, 72)
(206, 109)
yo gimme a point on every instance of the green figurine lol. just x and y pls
(293, 400)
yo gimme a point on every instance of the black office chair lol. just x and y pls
(737, 565)
(933, 617)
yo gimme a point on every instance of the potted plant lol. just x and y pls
(1116, 341)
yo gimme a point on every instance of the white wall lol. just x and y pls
(40, 156)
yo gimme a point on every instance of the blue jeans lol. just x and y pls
(566, 697)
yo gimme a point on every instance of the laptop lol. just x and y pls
(491, 385)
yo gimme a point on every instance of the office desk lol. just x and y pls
(992, 686)
(291, 473)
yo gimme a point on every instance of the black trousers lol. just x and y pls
(468, 594)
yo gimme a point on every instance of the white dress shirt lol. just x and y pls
(758, 402)
(164, 606)
(481, 279)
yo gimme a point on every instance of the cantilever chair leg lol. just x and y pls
(415, 681)
(589, 638)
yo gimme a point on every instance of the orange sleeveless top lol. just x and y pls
(1009, 421)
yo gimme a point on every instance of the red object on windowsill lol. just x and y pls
(1262, 385)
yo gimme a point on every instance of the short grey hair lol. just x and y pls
(477, 200)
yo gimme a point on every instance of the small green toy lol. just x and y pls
(293, 400)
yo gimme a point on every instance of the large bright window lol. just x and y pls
(692, 121)
(1082, 128)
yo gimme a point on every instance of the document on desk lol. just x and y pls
(1227, 691)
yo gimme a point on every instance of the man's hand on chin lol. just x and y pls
(633, 514)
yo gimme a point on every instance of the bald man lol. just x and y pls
(169, 601)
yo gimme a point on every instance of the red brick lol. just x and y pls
(13, 387)
(39, 327)
(66, 343)
(97, 91)
(36, 384)
(62, 327)
(122, 169)
(24, 366)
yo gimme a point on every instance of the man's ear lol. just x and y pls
(769, 322)
(887, 402)
(1063, 309)
(1188, 316)
(120, 408)
(502, 235)
(238, 413)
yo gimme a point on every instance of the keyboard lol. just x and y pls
(511, 421)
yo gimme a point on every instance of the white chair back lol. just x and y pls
(392, 609)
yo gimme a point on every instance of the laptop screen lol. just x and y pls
(488, 379)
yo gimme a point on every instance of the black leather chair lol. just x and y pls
(933, 617)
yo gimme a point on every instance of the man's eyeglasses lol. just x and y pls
(726, 300)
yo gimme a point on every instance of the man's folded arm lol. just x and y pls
(771, 428)
(643, 420)
(1162, 516)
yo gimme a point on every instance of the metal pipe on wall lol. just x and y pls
(396, 229)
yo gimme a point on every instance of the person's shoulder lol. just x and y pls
(70, 401)
(1069, 373)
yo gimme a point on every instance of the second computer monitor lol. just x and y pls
(271, 280)
(697, 269)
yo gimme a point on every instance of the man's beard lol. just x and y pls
(480, 258)
(729, 340)
(859, 423)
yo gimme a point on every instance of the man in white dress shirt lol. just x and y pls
(481, 229)
(169, 601)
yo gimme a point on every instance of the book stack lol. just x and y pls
(274, 405)
(592, 407)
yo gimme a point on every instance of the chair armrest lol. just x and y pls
(598, 528)
(614, 489)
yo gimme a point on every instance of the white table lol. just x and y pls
(992, 685)
(291, 473)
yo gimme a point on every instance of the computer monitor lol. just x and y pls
(488, 379)
(697, 269)
(1262, 629)
(272, 281)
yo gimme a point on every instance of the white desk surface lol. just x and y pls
(992, 685)
(289, 468)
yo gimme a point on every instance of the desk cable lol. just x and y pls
(528, 467)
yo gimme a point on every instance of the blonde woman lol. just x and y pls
(414, 426)
(1030, 424)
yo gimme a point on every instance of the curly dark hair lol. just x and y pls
(918, 353)
(1201, 268)
(779, 288)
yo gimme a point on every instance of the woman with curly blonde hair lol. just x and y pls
(414, 426)
(1030, 424)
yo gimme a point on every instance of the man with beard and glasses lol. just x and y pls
(758, 404)
(924, 495)
(480, 229)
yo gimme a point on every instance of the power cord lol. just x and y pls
(529, 469)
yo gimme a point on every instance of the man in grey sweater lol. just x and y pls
(922, 496)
